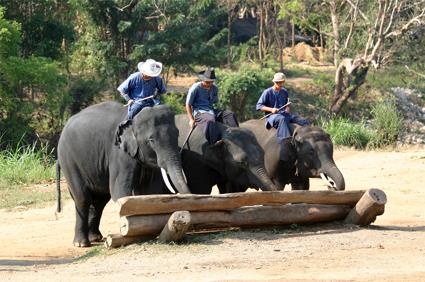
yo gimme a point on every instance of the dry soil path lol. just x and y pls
(36, 246)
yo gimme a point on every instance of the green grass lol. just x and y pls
(22, 167)
(347, 133)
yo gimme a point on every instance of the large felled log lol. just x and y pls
(118, 240)
(140, 225)
(368, 208)
(158, 204)
(176, 227)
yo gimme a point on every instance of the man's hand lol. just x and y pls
(274, 110)
(287, 109)
(192, 123)
(130, 102)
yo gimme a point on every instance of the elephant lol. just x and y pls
(103, 157)
(308, 154)
(237, 157)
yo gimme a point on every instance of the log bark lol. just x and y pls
(368, 208)
(176, 227)
(118, 240)
(159, 204)
(242, 217)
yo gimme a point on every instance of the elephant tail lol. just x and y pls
(58, 186)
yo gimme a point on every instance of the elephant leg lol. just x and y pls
(82, 199)
(300, 183)
(95, 213)
(81, 238)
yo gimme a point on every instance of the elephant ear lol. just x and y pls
(214, 153)
(297, 139)
(125, 139)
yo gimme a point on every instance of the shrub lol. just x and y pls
(25, 165)
(347, 133)
(387, 124)
(239, 91)
(175, 100)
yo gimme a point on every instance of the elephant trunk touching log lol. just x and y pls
(333, 176)
(264, 181)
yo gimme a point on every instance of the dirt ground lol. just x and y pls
(37, 246)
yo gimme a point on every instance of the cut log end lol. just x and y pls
(370, 205)
(176, 227)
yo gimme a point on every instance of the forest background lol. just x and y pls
(60, 56)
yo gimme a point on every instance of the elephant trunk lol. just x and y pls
(262, 180)
(173, 166)
(334, 176)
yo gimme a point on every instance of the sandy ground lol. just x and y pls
(36, 246)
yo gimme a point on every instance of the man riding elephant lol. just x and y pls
(200, 107)
(141, 88)
(275, 101)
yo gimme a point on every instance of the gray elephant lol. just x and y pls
(101, 156)
(237, 157)
(308, 154)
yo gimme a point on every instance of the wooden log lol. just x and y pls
(176, 227)
(118, 240)
(140, 225)
(158, 204)
(368, 208)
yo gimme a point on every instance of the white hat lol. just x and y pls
(150, 67)
(279, 76)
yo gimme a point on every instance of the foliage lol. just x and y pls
(239, 91)
(25, 165)
(176, 101)
(347, 133)
(387, 124)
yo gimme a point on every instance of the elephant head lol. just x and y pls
(151, 138)
(239, 157)
(314, 150)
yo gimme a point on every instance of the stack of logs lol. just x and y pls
(170, 217)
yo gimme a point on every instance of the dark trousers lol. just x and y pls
(133, 109)
(207, 123)
(281, 123)
(226, 117)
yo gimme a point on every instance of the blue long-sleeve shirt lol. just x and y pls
(273, 99)
(137, 88)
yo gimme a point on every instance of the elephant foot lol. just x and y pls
(81, 243)
(95, 237)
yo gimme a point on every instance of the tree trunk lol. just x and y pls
(146, 225)
(261, 32)
(293, 36)
(165, 204)
(229, 33)
(368, 208)
(348, 78)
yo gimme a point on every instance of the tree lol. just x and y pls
(365, 40)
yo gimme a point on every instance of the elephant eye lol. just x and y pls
(151, 140)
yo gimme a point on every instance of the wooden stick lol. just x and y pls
(158, 204)
(176, 227)
(118, 240)
(368, 208)
(241, 217)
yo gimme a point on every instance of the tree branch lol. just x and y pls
(125, 7)
(417, 73)
(416, 20)
(361, 13)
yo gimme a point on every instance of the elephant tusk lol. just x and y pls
(184, 177)
(167, 181)
(329, 181)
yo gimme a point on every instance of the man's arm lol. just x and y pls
(124, 89)
(262, 104)
(190, 115)
(189, 102)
